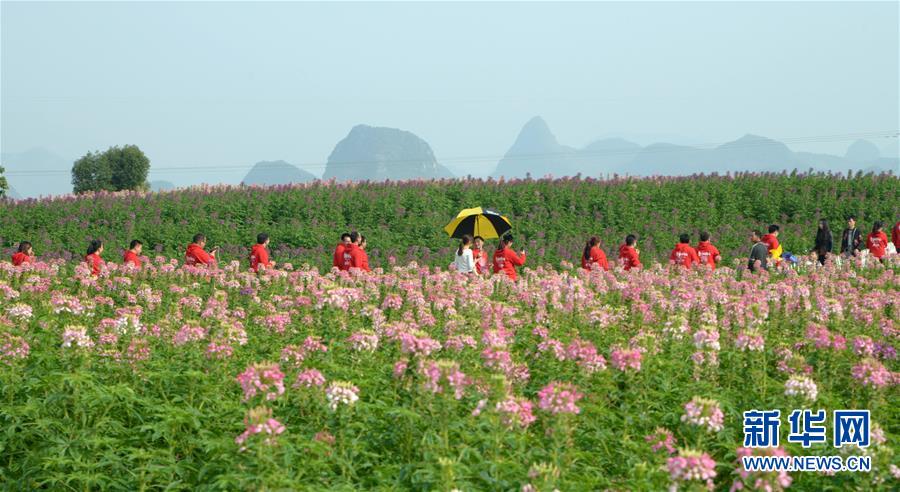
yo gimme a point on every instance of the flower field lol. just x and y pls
(551, 218)
(416, 378)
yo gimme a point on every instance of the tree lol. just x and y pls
(4, 186)
(116, 169)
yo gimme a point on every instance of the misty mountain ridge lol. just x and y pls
(537, 152)
(276, 173)
(381, 153)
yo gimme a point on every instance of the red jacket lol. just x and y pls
(259, 255)
(877, 244)
(708, 253)
(595, 255)
(195, 255)
(481, 259)
(353, 257)
(363, 260)
(771, 241)
(684, 255)
(95, 262)
(338, 261)
(895, 236)
(131, 257)
(628, 257)
(506, 260)
(20, 258)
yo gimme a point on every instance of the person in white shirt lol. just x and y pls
(464, 262)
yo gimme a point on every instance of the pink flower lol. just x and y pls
(363, 340)
(516, 412)
(661, 438)
(801, 386)
(870, 372)
(691, 466)
(76, 336)
(187, 334)
(704, 412)
(265, 377)
(12, 347)
(624, 359)
(309, 378)
(259, 421)
(400, 368)
(558, 398)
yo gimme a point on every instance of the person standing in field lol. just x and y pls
(352, 254)
(684, 254)
(479, 255)
(592, 257)
(259, 254)
(823, 241)
(851, 238)
(196, 255)
(463, 260)
(25, 254)
(506, 260)
(759, 253)
(629, 255)
(708, 254)
(362, 258)
(132, 255)
(338, 261)
(93, 259)
(876, 241)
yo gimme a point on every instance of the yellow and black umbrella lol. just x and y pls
(483, 222)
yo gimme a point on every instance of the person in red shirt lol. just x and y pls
(338, 261)
(196, 255)
(25, 254)
(629, 255)
(877, 241)
(708, 254)
(133, 254)
(506, 260)
(93, 259)
(362, 257)
(895, 236)
(479, 255)
(259, 253)
(350, 253)
(593, 258)
(771, 239)
(684, 254)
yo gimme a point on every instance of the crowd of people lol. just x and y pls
(472, 258)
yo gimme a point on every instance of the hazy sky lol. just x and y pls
(206, 84)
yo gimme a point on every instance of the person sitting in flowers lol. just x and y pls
(259, 253)
(25, 254)
(758, 253)
(876, 242)
(133, 254)
(629, 255)
(506, 260)
(196, 255)
(92, 258)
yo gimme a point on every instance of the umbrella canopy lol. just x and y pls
(478, 221)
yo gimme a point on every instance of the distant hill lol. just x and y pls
(276, 173)
(161, 185)
(56, 178)
(12, 193)
(537, 152)
(379, 153)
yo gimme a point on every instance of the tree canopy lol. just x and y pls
(116, 169)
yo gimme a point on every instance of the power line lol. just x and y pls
(490, 158)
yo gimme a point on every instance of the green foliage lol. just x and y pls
(116, 169)
(4, 185)
(551, 218)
